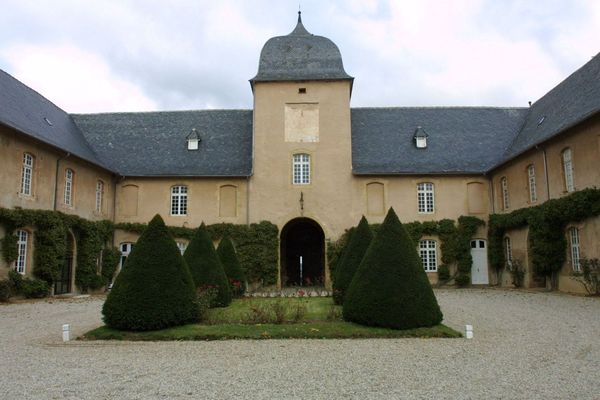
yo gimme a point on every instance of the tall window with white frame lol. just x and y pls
(531, 183)
(68, 187)
(27, 174)
(504, 191)
(99, 195)
(425, 198)
(179, 200)
(575, 250)
(508, 251)
(428, 252)
(21, 261)
(301, 169)
(567, 162)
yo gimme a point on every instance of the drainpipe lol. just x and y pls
(545, 172)
(248, 200)
(56, 179)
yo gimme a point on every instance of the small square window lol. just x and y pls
(302, 90)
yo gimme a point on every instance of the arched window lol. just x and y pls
(504, 191)
(575, 250)
(567, 162)
(508, 251)
(179, 200)
(301, 169)
(22, 250)
(99, 195)
(181, 246)
(425, 197)
(27, 174)
(428, 252)
(125, 249)
(531, 183)
(69, 186)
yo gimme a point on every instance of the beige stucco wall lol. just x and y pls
(589, 245)
(12, 148)
(203, 198)
(13, 145)
(584, 141)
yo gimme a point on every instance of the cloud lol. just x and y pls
(76, 80)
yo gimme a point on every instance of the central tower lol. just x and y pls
(302, 155)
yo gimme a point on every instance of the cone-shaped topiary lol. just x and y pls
(353, 255)
(155, 289)
(206, 268)
(232, 267)
(390, 287)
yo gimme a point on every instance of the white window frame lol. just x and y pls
(531, 183)
(575, 249)
(428, 253)
(179, 200)
(567, 160)
(99, 195)
(426, 198)
(27, 174)
(22, 250)
(301, 169)
(68, 195)
(505, 198)
(508, 251)
(181, 246)
(125, 248)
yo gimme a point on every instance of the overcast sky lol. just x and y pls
(126, 55)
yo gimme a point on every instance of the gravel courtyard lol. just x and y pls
(526, 346)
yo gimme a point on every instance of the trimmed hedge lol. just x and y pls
(206, 268)
(232, 267)
(356, 248)
(390, 287)
(155, 289)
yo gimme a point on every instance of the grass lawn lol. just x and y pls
(255, 318)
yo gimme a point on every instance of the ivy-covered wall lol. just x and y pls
(257, 245)
(50, 244)
(455, 243)
(547, 224)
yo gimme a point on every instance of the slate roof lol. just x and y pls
(572, 101)
(461, 140)
(154, 143)
(300, 56)
(25, 110)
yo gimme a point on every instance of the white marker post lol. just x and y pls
(469, 331)
(66, 332)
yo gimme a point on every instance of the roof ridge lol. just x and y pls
(439, 107)
(161, 111)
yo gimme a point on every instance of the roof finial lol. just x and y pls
(299, 14)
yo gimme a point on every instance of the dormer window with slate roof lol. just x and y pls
(193, 140)
(420, 138)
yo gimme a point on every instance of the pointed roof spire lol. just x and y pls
(300, 29)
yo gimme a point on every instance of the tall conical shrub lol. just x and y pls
(353, 255)
(206, 268)
(390, 287)
(232, 267)
(155, 289)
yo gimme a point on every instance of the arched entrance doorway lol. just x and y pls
(302, 253)
(62, 284)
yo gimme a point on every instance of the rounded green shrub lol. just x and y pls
(206, 268)
(5, 290)
(155, 289)
(232, 267)
(35, 288)
(390, 287)
(351, 258)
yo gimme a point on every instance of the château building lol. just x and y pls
(306, 161)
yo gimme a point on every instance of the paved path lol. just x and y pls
(526, 346)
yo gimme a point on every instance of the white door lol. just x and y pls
(479, 269)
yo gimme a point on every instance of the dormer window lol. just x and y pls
(420, 138)
(193, 140)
